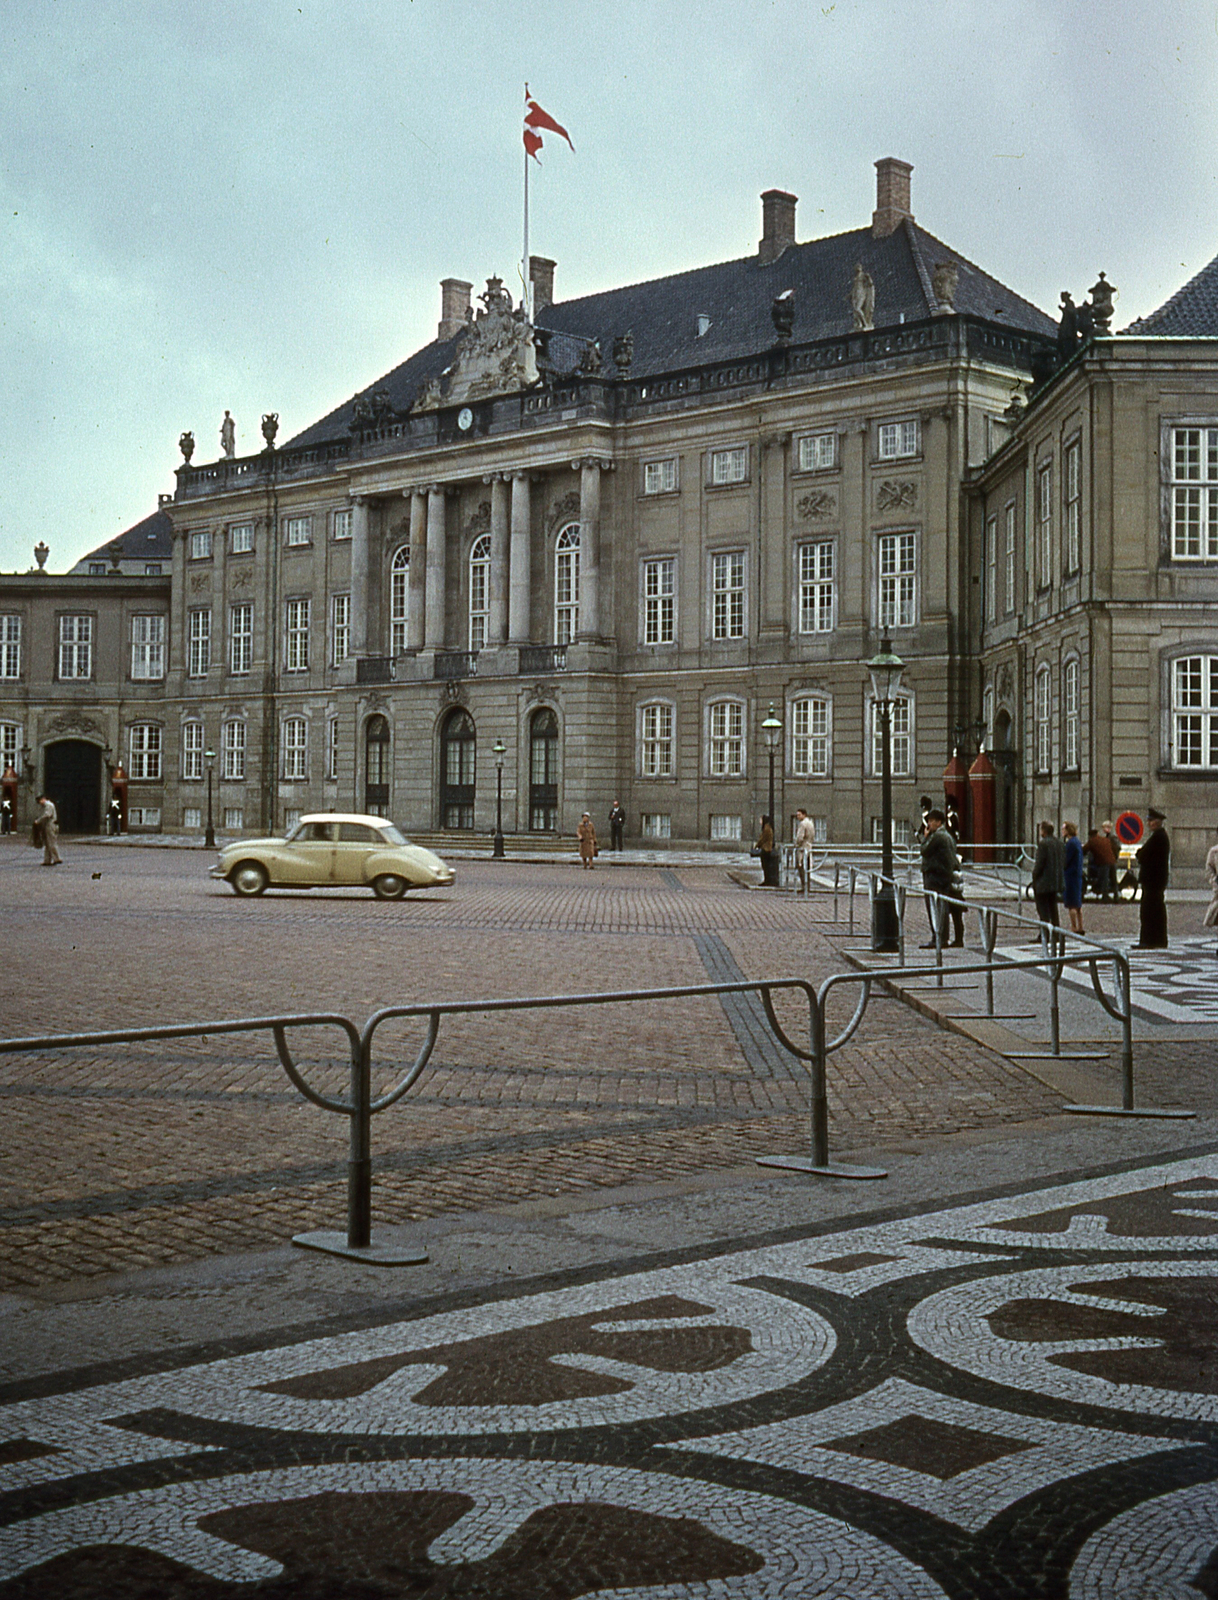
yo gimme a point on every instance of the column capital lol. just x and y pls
(605, 463)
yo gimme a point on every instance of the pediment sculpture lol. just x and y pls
(495, 355)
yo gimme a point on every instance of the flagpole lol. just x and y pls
(526, 297)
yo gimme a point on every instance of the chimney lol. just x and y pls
(777, 224)
(541, 276)
(891, 196)
(454, 306)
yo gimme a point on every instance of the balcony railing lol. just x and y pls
(374, 669)
(543, 658)
(456, 663)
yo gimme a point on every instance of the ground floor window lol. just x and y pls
(143, 816)
(657, 825)
(192, 817)
(295, 749)
(723, 826)
(1194, 700)
(902, 831)
(145, 752)
(458, 761)
(234, 819)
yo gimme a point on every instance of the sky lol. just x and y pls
(251, 207)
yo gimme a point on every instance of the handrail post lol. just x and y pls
(359, 1165)
(837, 875)
(1125, 990)
(938, 916)
(902, 897)
(819, 1095)
(852, 877)
(1055, 975)
(989, 938)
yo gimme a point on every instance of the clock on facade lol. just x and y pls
(465, 419)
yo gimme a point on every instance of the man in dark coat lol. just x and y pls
(940, 872)
(1153, 860)
(1048, 874)
(617, 820)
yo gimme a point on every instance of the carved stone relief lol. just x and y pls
(494, 355)
(480, 522)
(562, 511)
(897, 495)
(74, 722)
(818, 505)
(199, 581)
(1006, 684)
(241, 579)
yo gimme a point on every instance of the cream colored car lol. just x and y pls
(332, 849)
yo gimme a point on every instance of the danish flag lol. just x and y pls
(535, 118)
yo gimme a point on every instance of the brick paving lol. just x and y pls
(143, 1155)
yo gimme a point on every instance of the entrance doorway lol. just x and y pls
(543, 772)
(376, 767)
(458, 747)
(74, 782)
(1004, 761)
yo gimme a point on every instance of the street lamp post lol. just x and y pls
(771, 730)
(209, 838)
(500, 752)
(885, 670)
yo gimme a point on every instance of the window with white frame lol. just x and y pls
(241, 538)
(1044, 524)
(726, 730)
(234, 819)
(11, 741)
(10, 645)
(200, 544)
(97, 569)
(987, 714)
(1194, 494)
(817, 452)
(1070, 722)
(1042, 710)
(989, 598)
(152, 569)
(295, 748)
(296, 656)
(656, 825)
(147, 647)
(902, 831)
(198, 636)
(143, 816)
(192, 750)
(76, 647)
(232, 744)
(817, 587)
(730, 466)
(241, 638)
(399, 598)
(659, 600)
(655, 740)
(1194, 711)
(1072, 508)
(298, 530)
(566, 585)
(479, 591)
(331, 747)
(342, 524)
(340, 628)
(898, 439)
(144, 751)
(901, 734)
(726, 826)
(811, 733)
(727, 594)
(898, 557)
(192, 817)
(1008, 557)
(660, 477)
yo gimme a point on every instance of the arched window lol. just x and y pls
(1070, 726)
(479, 587)
(399, 586)
(376, 767)
(543, 771)
(811, 736)
(566, 584)
(458, 746)
(1041, 710)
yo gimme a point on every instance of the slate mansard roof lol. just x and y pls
(735, 297)
(1191, 313)
(149, 540)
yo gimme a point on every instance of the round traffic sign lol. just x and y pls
(1129, 827)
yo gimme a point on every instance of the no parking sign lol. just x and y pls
(1129, 828)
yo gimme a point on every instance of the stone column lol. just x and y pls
(434, 619)
(359, 575)
(499, 562)
(589, 548)
(519, 560)
(416, 582)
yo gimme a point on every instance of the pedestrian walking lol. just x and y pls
(1101, 859)
(586, 833)
(805, 838)
(1108, 834)
(1072, 877)
(1211, 877)
(48, 827)
(941, 876)
(1154, 861)
(617, 821)
(1048, 876)
(765, 850)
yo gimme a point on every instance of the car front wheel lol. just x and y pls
(248, 878)
(388, 886)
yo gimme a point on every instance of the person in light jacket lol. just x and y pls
(586, 832)
(805, 838)
(1211, 877)
(48, 819)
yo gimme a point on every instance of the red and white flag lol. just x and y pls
(535, 118)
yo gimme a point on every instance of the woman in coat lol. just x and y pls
(587, 841)
(1072, 876)
(1211, 877)
(765, 850)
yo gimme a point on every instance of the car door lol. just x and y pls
(308, 857)
(356, 842)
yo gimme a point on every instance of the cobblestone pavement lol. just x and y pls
(137, 1156)
(1008, 1395)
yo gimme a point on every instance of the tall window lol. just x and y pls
(295, 748)
(726, 739)
(987, 714)
(200, 544)
(1072, 508)
(144, 751)
(730, 466)
(897, 439)
(543, 771)
(1041, 715)
(399, 598)
(1044, 524)
(566, 585)
(240, 638)
(900, 718)
(299, 530)
(1008, 558)
(147, 647)
(1070, 723)
(817, 452)
(10, 745)
(479, 591)
(811, 727)
(727, 594)
(458, 758)
(817, 587)
(340, 628)
(989, 600)
(296, 658)
(199, 639)
(233, 747)
(1194, 705)
(241, 538)
(659, 601)
(192, 750)
(660, 477)
(1194, 510)
(76, 647)
(898, 580)
(332, 747)
(342, 524)
(656, 741)
(10, 646)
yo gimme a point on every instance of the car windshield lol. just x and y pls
(392, 834)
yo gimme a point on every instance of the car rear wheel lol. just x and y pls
(388, 886)
(248, 878)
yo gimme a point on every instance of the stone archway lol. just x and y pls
(73, 780)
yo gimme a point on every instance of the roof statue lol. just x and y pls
(495, 355)
(862, 299)
(944, 282)
(228, 434)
